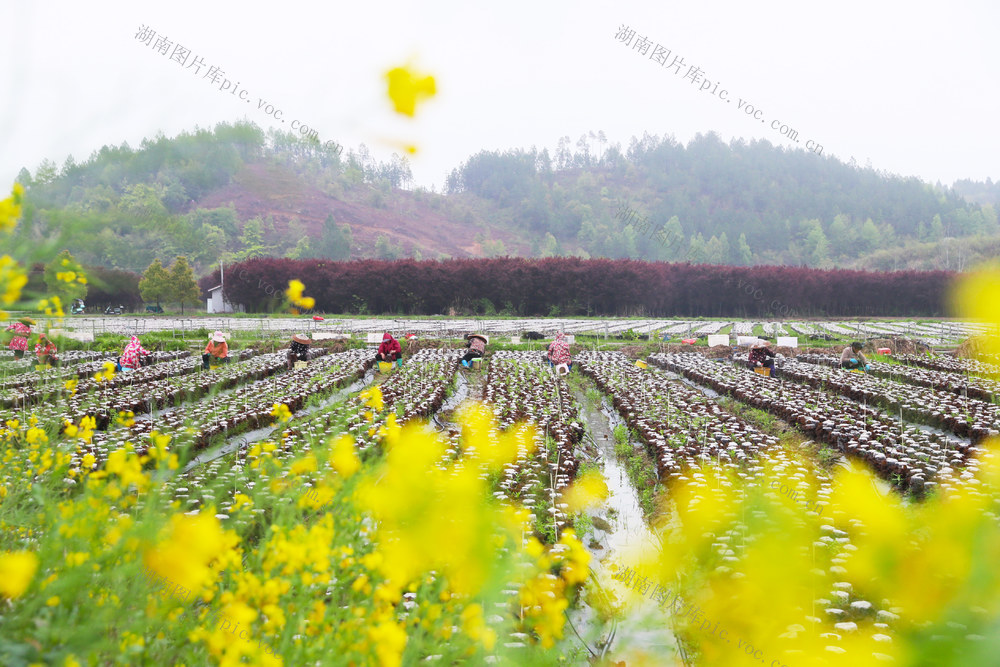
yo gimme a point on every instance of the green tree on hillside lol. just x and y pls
(817, 247)
(549, 247)
(252, 239)
(144, 203)
(301, 249)
(937, 229)
(696, 250)
(155, 283)
(335, 241)
(841, 236)
(869, 237)
(744, 255)
(671, 240)
(386, 249)
(714, 251)
(183, 288)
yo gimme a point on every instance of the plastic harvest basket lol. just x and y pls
(384, 367)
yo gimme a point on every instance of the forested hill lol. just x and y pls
(237, 193)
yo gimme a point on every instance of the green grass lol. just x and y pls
(640, 467)
(787, 435)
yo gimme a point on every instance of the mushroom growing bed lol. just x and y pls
(46, 385)
(956, 383)
(520, 387)
(952, 364)
(416, 390)
(945, 409)
(680, 426)
(910, 458)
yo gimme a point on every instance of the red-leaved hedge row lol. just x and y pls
(572, 286)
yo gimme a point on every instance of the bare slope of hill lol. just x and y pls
(406, 219)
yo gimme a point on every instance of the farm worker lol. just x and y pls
(216, 348)
(390, 350)
(46, 352)
(851, 357)
(298, 350)
(21, 329)
(558, 353)
(477, 347)
(761, 355)
(131, 355)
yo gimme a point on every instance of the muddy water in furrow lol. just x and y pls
(620, 535)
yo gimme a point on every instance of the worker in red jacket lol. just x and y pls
(390, 350)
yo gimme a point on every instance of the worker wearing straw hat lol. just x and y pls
(299, 349)
(216, 348)
(477, 347)
(21, 329)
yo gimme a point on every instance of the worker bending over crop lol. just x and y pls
(477, 347)
(558, 353)
(132, 355)
(21, 329)
(46, 351)
(390, 350)
(761, 355)
(216, 348)
(298, 350)
(851, 358)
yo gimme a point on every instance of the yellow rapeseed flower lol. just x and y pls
(16, 571)
(389, 639)
(345, 459)
(588, 491)
(12, 280)
(295, 289)
(190, 544)
(281, 412)
(10, 209)
(977, 296)
(372, 398)
(406, 88)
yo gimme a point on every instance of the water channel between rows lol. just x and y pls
(245, 439)
(621, 538)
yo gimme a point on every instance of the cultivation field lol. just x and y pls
(688, 512)
(934, 333)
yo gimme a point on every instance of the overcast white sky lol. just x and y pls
(909, 85)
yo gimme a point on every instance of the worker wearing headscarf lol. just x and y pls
(559, 351)
(130, 359)
(46, 351)
(21, 329)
